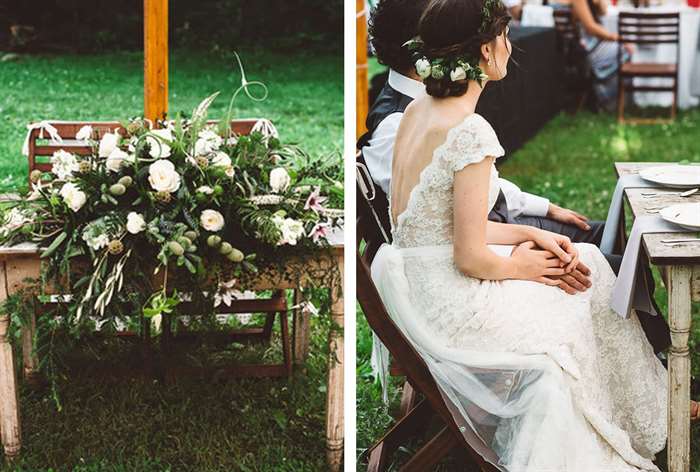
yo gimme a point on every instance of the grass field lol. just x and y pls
(119, 423)
(571, 162)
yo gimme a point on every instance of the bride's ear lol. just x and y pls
(485, 52)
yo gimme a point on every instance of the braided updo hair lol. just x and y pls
(452, 32)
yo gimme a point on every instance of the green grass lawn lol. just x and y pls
(118, 423)
(571, 162)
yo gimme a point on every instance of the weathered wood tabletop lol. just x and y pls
(20, 262)
(680, 266)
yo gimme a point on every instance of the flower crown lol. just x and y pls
(460, 66)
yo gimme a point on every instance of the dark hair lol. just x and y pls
(451, 28)
(391, 24)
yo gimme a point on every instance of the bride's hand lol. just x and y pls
(559, 245)
(536, 264)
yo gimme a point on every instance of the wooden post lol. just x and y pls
(155, 65)
(9, 404)
(362, 87)
(679, 369)
(334, 399)
(301, 331)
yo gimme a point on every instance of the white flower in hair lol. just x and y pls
(483, 76)
(458, 74)
(423, 68)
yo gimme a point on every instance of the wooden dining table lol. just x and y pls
(680, 269)
(22, 262)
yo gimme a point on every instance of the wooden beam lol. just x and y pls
(362, 87)
(155, 65)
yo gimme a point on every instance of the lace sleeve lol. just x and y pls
(470, 142)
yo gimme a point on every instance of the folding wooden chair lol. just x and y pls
(451, 436)
(41, 148)
(577, 72)
(647, 29)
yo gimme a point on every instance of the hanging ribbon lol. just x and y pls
(41, 126)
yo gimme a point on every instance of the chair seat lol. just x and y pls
(650, 69)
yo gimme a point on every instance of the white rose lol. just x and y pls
(207, 143)
(205, 189)
(279, 179)
(159, 142)
(63, 164)
(212, 220)
(163, 177)
(84, 133)
(135, 223)
(221, 160)
(423, 68)
(108, 143)
(73, 196)
(116, 160)
(458, 74)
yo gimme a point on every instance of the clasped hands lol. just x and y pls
(552, 259)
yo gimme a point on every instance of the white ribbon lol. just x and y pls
(41, 126)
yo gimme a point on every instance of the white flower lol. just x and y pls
(266, 128)
(207, 143)
(230, 172)
(205, 189)
(95, 242)
(159, 142)
(437, 72)
(212, 220)
(73, 196)
(163, 177)
(132, 143)
(423, 68)
(84, 133)
(108, 143)
(63, 164)
(279, 179)
(483, 76)
(135, 222)
(14, 219)
(458, 74)
(232, 141)
(116, 160)
(291, 230)
(221, 159)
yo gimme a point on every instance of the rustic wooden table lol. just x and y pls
(680, 267)
(21, 262)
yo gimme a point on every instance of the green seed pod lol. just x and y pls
(225, 248)
(175, 248)
(126, 181)
(235, 255)
(192, 248)
(117, 189)
(218, 190)
(184, 242)
(191, 235)
(213, 240)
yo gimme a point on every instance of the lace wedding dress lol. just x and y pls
(551, 382)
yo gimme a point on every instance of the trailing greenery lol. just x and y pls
(571, 162)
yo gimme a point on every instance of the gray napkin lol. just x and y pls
(612, 222)
(631, 289)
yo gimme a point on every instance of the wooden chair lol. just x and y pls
(647, 29)
(451, 436)
(40, 149)
(577, 72)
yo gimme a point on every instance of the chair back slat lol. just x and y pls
(369, 239)
(41, 149)
(649, 28)
(564, 24)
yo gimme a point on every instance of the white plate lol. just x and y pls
(686, 215)
(674, 176)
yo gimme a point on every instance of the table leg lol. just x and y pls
(9, 404)
(301, 331)
(30, 361)
(679, 369)
(334, 399)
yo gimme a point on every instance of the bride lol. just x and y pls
(551, 382)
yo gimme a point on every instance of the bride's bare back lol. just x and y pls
(423, 128)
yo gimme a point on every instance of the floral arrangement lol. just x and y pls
(190, 202)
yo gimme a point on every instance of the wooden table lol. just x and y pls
(680, 267)
(21, 262)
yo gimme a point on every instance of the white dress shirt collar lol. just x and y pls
(405, 85)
